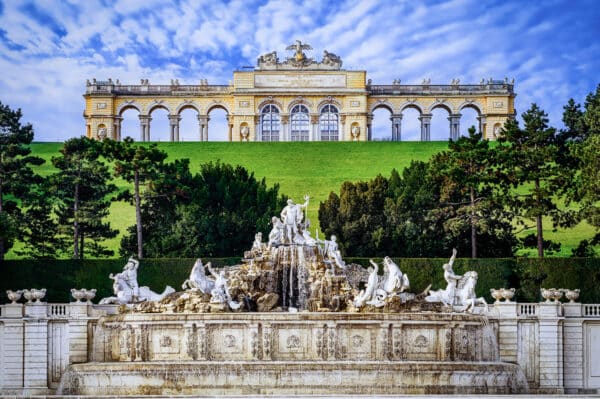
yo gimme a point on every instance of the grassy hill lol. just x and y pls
(313, 168)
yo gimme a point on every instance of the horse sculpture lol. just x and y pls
(465, 293)
(198, 279)
(124, 293)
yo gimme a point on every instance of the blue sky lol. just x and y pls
(49, 48)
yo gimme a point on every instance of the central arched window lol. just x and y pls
(270, 122)
(329, 123)
(300, 123)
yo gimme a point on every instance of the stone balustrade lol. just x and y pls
(556, 344)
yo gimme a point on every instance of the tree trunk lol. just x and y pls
(81, 234)
(76, 222)
(538, 220)
(138, 214)
(473, 227)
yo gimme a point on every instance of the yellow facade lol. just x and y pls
(299, 99)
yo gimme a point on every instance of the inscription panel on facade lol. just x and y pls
(300, 80)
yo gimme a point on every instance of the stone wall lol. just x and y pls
(556, 345)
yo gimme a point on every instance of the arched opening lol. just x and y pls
(440, 125)
(411, 126)
(329, 123)
(130, 124)
(218, 125)
(188, 125)
(299, 123)
(381, 126)
(270, 123)
(468, 118)
(159, 125)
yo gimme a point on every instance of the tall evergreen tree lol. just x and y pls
(139, 165)
(467, 196)
(528, 156)
(16, 175)
(83, 189)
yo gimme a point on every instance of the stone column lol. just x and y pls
(454, 120)
(507, 331)
(314, 131)
(396, 127)
(117, 128)
(482, 125)
(12, 346)
(574, 347)
(257, 132)
(230, 134)
(551, 350)
(342, 128)
(35, 354)
(425, 127)
(285, 125)
(174, 127)
(145, 127)
(78, 332)
(369, 127)
(203, 127)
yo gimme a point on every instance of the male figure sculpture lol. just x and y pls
(291, 216)
(129, 274)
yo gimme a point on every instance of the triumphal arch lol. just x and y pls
(297, 99)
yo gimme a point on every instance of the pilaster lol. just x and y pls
(35, 353)
(551, 350)
(425, 127)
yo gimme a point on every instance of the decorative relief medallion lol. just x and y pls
(355, 103)
(421, 341)
(101, 105)
(358, 341)
(293, 342)
(165, 341)
(244, 104)
(498, 104)
(229, 341)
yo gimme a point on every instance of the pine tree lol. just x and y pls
(84, 192)
(16, 175)
(528, 156)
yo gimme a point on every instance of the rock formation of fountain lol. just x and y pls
(292, 320)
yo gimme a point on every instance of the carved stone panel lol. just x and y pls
(420, 343)
(355, 342)
(528, 350)
(228, 342)
(164, 343)
(292, 342)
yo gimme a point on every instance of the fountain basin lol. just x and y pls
(293, 354)
(292, 378)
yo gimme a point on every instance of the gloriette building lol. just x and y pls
(298, 99)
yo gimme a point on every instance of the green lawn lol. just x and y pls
(314, 168)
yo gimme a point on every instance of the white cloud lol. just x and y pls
(550, 48)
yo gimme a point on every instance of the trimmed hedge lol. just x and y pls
(527, 275)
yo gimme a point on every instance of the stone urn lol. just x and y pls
(547, 293)
(78, 294)
(572, 295)
(556, 295)
(508, 293)
(28, 294)
(38, 294)
(14, 296)
(496, 294)
(90, 294)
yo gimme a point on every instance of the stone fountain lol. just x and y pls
(294, 319)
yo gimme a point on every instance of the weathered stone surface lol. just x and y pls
(267, 302)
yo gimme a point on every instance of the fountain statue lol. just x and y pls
(293, 318)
